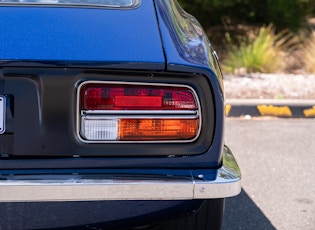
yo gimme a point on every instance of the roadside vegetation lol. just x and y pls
(259, 36)
(309, 54)
(263, 51)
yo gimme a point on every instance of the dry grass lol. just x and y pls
(309, 54)
(263, 51)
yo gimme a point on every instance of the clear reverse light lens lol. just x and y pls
(99, 129)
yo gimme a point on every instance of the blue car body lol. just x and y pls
(81, 36)
(46, 52)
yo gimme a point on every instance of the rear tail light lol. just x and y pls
(135, 97)
(125, 112)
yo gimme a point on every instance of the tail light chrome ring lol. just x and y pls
(134, 112)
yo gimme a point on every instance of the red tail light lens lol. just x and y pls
(137, 112)
(132, 97)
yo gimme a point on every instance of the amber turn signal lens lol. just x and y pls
(158, 129)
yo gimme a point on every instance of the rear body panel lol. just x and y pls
(42, 123)
(46, 52)
(81, 36)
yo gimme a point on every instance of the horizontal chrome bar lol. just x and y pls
(112, 117)
(226, 184)
(141, 112)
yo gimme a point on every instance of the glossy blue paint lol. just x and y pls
(184, 40)
(188, 49)
(188, 41)
(73, 34)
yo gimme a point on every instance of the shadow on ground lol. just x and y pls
(242, 213)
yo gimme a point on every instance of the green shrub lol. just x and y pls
(283, 14)
(264, 52)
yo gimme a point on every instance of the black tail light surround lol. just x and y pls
(141, 112)
(137, 112)
(49, 125)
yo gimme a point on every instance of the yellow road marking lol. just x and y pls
(227, 109)
(270, 110)
(309, 112)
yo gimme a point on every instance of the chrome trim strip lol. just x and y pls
(142, 112)
(78, 122)
(57, 3)
(2, 114)
(110, 117)
(226, 184)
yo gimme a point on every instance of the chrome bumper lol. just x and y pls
(69, 188)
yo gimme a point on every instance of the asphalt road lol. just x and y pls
(277, 160)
